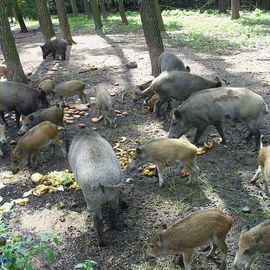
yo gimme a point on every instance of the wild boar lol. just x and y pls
(71, 88)
(3, 139)
(168, 61)
(31, 143)
(264, 165)
(98, 173)
(162, 151)
(191, 232)
(47, 86)
(21, 98)
(54, 114)
(56, 46)
(215, 106)
(105, 106)
(253, 243)
(177, 84)
(36, 83)
(3, 71)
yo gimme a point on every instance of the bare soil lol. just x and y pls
(226, 170)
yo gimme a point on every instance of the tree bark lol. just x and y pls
(45, 20)
(8, 47)
(103, 10)
(96, 14)
(122, 11)
(19, 17)
(222, 6)
(159, 17)
(87, 9)
(235, 9)
(74, 7)
(152, 33)
(63, 21)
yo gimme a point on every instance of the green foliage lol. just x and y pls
(28, 9)
(17, 253)
(87, 265)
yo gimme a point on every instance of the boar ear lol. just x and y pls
(177, 114)
(31, 117)
(244, 229)
(187, 68)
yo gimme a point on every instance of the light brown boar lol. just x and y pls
(3, 71)
(252, 243)
(264, 165)
(47, 86)
(3, 139)
(105, 106)
(162, 151)
(30, 145)
(36, 83)
(71, 88)
(191, 232)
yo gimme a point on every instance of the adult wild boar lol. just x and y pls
(168, 61)
(253, 243)
(98, 173)
(215, 106)
(54, 114)
(207, 225)
(56, 46)
(177, 84)
(21, 98)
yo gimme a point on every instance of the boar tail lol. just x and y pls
(266, 110)
(115, 186)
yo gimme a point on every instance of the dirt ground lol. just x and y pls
(226, 170)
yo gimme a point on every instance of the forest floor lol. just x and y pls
(226, 170)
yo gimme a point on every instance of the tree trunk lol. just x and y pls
(45, 20)
(152, 33)
(122, 11)
(159, 17)
(235, 9)
(63, 21)
(19, 17)
(87, 9)
(96, 14)
(74, 7)
(222, 6)
(103, 10)
(8, 47)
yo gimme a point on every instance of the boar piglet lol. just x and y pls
(3, 139)
(215, 106)
(176, 84)
(56, 46)
(98, 173)
(30, 145)
(168, 61)
(208, 225)
(47, 86)
(54, 114)
(36, 83)
(253, 243)
(264, 165)
(105, 106)
(3, 71)
(71, 88)
(162, 151)
(21, 98)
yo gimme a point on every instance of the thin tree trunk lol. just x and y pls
(152, 33)
(235, 9)
(74, 7)
(222, 6)
(63, 20)
(159, 17)
(103, 10)
(122, 11)
(19, 17)
(87, 9)
(45, 20)
(8, 47)
(96, 14)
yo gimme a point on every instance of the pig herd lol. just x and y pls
(97, 170)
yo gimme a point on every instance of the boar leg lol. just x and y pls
(199, 132)
(254, 130)
(212, 251)
(266, 182)
(219, 129)
(158, 104)
(160, 168)
(82, 97)
(3, 118)
(1, 152)
(256, 176)
(192, 169)
(17, 116)
(98, 224)
(220, 242)
(187, 256)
